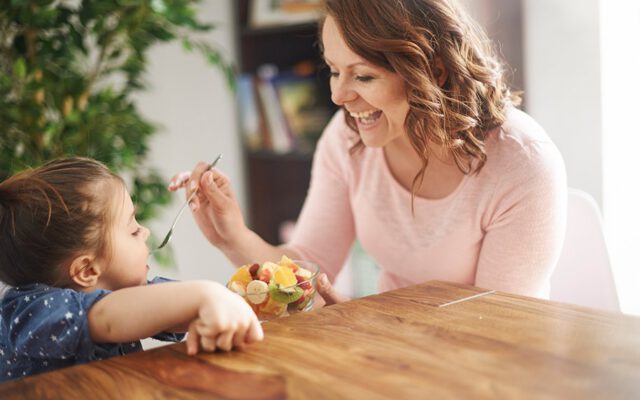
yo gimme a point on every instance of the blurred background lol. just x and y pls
(577, 62)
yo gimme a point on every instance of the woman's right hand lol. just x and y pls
(215, 207)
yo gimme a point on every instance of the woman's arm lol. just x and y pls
(217, 317)
(325, 229)
(524, 238)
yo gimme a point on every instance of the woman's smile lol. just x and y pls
(367, 120)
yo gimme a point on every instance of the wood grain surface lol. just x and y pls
(435, 340)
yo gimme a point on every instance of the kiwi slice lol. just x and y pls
(285, 296)
(302, 305)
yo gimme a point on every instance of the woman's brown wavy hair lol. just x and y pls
(407, 37)
(51, 214)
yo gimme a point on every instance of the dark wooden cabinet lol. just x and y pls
(277, 189)
(277, 183)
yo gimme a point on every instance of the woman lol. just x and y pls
(428, 163)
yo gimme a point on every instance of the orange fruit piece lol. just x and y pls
(287, 262)
(242, 275)
(285, 277)
(272, 308)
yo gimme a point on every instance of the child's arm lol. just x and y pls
(215, 316)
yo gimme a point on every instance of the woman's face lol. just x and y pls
(127, 266)
(373, 96)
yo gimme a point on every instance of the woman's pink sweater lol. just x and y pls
(501, 229)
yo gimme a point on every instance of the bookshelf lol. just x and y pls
(277, 179)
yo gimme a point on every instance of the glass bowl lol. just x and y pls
(275, 290)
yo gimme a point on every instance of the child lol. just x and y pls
(75, 262)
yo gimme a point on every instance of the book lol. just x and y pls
(251, 120)
(282, 112)
(305, 111)
(273, 113)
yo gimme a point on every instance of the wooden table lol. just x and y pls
(435, 340)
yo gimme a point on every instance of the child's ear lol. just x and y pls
(85, 271)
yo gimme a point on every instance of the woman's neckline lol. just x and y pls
(407, 191)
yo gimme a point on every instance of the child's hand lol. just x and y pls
(224, 321)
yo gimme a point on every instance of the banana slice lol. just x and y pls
(237, 287)
(257, 291)
(305, 273)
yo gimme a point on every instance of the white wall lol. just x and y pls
(189, 99)
(621, 141)
(582, 59)
(562, 81)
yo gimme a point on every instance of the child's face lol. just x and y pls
(127, 266)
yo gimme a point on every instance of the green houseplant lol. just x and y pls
(67, 74)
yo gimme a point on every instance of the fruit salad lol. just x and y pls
(276, 290)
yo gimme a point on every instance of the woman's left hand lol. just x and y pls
(328, 293)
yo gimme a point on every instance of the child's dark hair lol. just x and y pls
(50, 215)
